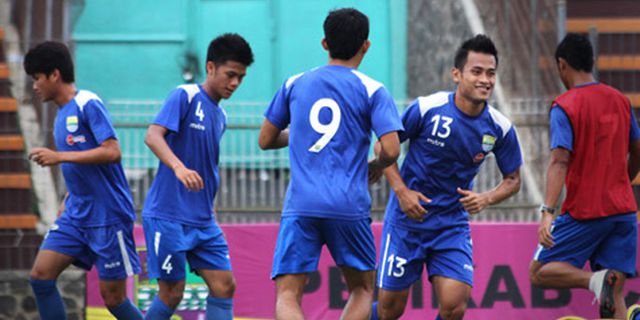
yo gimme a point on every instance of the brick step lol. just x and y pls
(604, 25)
(8, 104)
(15, 200)
(18, 221)
(4, 71)
(11, 142)
(15, 181)
(19, 248)
(9, 123)
(619, 62)
(13, 161)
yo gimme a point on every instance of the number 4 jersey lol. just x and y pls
(331, 111)
(446, 149)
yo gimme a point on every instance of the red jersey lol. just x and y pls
(597, 181)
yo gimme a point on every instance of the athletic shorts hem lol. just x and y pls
(453, 277)
(287, 272)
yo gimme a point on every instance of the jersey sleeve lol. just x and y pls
(508, 153)
(99, 121)
(173, 111)
(634, 133)
(561, 130)
(412, 122)
(384, 114)
(278, 112)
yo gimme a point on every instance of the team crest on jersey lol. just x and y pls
(72, 123)
(488, 142)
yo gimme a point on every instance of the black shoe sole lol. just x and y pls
(607, 302)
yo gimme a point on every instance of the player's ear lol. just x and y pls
(211, 67)
(365, 46)
(55, 75)
(324, 43)
(456, 74)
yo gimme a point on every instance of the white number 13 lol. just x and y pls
(446, 129)
(327, 130)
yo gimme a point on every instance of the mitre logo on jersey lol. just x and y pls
(72, 123)
(488, 142)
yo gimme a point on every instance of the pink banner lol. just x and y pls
(502, 290)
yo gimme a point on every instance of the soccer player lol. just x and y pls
(427, 217)
(330, 111)
(96, 224)
(593, 133)
(178, 215)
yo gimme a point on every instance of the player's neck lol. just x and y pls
(580, 78)
(353, 63)
(468, 107)
(210, 92)
(66, 93)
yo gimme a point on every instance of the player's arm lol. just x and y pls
(475, 202)
(556, 173)
(155, 140)
(271, 137)
(387, 153)
(107, 152)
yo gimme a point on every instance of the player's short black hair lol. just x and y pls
(345, 30)
(480, 43)
(230, 47)
(577, 51)
(47, 57)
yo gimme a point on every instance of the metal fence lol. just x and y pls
(253, 182)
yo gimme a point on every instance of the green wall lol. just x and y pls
(135, 51)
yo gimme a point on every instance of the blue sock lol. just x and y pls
(158, 310)
(219, 308)
(48, 299)
(438, 317)
(126, 311)
(374, 311)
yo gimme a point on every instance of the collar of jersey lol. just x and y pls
(206, 95)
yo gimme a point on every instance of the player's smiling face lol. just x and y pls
(476, 79)
(224, 79)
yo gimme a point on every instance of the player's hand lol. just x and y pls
(44, 157)
(410, 203)
(189, 178)
(473, 202)
(544, 230)
(375, 171)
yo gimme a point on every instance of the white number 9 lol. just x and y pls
(328, 130)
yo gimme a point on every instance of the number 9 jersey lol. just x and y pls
(331, 111)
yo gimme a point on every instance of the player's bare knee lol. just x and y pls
(452, 311)
(38, 273)
(225, 289)
(113, 297)
(390, 310)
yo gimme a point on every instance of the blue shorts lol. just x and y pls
(608, 243)
(300, 241)
(170, 244)
(110, 248)
(446, 253)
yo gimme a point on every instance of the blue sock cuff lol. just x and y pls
(157, 303)
(374, 311)
(125, 304)
(226, 303)
(42, 286)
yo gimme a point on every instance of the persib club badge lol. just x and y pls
(488, 142)
(72, 123)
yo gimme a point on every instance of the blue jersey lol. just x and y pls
(99, 194)
(446, 149)
(332, 110)
(196, 124)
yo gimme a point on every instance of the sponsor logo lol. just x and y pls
(72, 123)
(197, 126)
(71, 140)
(435, 142)
(468, 267)
(112, 265)
(479, 157)
(488, 142)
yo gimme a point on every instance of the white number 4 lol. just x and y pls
(166, 265)
(327, 130)
(199, 112)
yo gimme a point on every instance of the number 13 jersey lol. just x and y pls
(331, 111)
